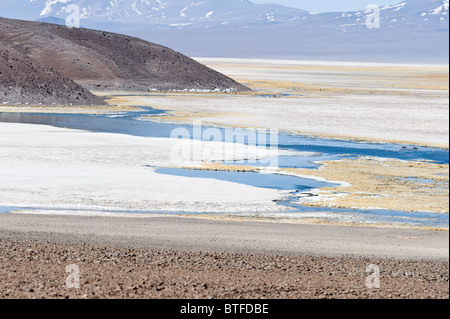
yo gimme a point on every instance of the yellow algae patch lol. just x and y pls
(206, 118)
(389, 184)
(124, 100)
(426, 81)
(303, 88)
(69, 109)
(414, 77)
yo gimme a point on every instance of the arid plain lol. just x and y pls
(93, 176)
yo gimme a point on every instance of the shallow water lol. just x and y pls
(123, 123)
(309, 162)
(418, 180)
(273, 181)
(132, 123)
(6, 209)
(303, 185)
(298, 212)
(371, 216)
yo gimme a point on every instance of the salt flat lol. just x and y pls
(47, 167)
(376, 102)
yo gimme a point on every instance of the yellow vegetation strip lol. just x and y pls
(395, 88)
(373, 183)
(380, 183)
(69, 109)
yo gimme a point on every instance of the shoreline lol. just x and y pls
(175, 119)
(247, 237)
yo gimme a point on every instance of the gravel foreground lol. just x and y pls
(37, 269)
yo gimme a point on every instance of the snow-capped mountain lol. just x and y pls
(171, 13)
(219, 13)
(415, 14)
(409, 31)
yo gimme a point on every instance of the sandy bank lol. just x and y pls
(228, 236)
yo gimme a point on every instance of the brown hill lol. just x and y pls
(25, 81)
(108, 61)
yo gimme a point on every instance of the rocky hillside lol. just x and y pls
(25, 81)
(107, 61)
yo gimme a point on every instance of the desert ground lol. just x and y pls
(80, 197)
(171, 257)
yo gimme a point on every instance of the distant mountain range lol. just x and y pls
(410, 31)
(219, 13)
(170, 13)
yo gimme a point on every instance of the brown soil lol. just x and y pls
(108, 61)
(38, 270)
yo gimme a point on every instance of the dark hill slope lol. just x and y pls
(25, 81)
(108, 61)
